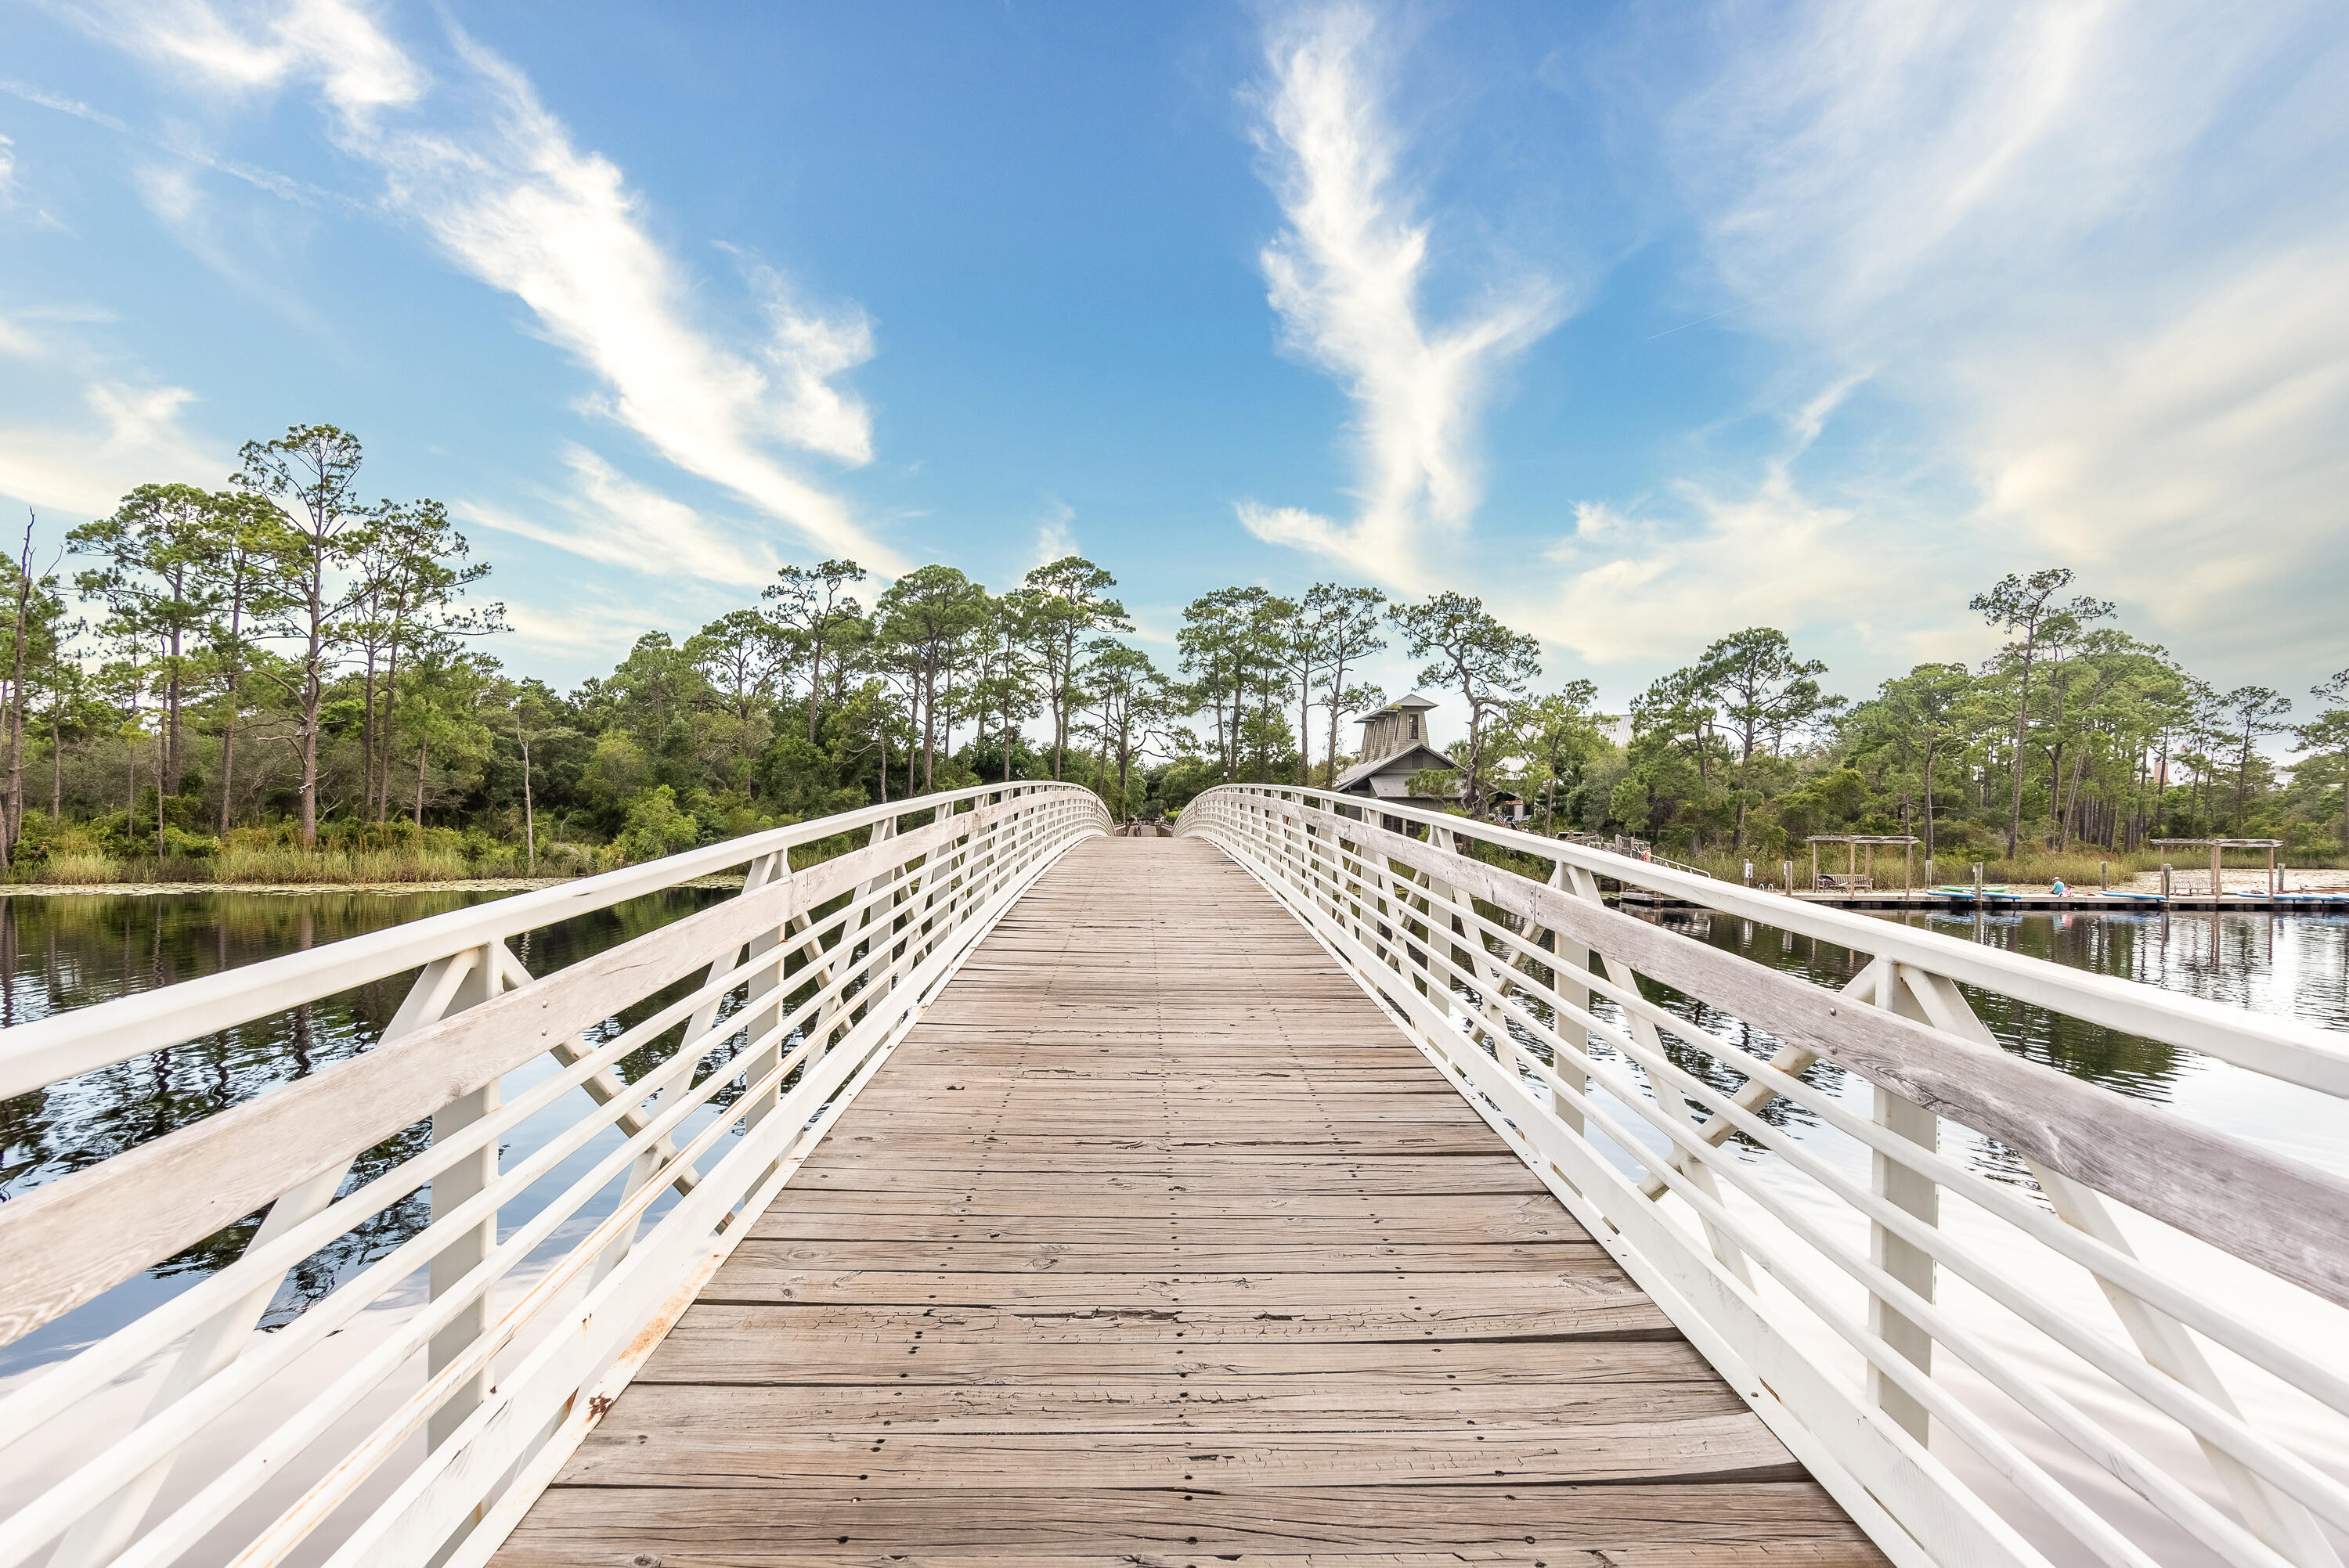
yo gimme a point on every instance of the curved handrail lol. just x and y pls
(548, 1269)
(1528, 994)
(44, 1050)
(2286, 1048)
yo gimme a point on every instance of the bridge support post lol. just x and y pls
(1910, 1265)
(1913, 1192)
(466, 1179)
(1571, 956)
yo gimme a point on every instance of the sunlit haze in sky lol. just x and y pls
(1644, 323)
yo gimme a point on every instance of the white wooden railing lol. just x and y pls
(1981, 1373)
(556, 1255)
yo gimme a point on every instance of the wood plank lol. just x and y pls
(1155, 1242)
(693, 1355)
(1303, 1179)
(1147, 1228)
(1346, 1212)
(753, 1275)
(779, 1454)
(1279, 1405)
(1614, 1314)
(1723, 1524)
(1156, 1257)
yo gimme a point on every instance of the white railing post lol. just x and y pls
(2279, 1520)
(481, 980)
(1913, 1192)
(1571, 956)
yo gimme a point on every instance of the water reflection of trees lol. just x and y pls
(1696, 1061)
(2100, 943)
(2230, 958)
(63, 953)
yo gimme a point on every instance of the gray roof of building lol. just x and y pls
(1400, 705)
(1409, 760)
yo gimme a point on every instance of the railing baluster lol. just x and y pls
(482, 980)
(1380, 897)
(105, 1531)
(2282, 1523)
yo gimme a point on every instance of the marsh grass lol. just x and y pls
(289, 864)
(2079, 868)
(80, 867)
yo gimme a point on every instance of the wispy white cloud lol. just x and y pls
(2038, 285)
(337, 44)
(82, 467)
(2089, 250)
(1645, 591)
(608, 517)
(2197, 466)
(509, 196)
(1346, 277)
(578, 630)
(59, 102)
(1056, 535)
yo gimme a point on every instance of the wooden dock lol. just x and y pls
(2034, 902)
(1155, 1244)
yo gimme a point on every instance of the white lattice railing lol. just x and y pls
(554, 1258)
(1981, 1370)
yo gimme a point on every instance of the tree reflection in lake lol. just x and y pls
(2292, 965)
(66, 951)
(59, 952)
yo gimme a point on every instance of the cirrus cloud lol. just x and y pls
(1346, 278)
(502, 188)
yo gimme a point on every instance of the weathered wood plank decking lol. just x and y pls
(1154, 1243)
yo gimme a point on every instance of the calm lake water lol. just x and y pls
(58, 953)
(2289, 965)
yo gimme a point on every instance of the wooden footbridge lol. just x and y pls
(1300, 1190)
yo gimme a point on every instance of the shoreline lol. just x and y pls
(287, 890)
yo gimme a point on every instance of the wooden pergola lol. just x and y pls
(2218, 847)
(1853, 843)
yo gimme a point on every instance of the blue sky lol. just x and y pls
(1643, 323)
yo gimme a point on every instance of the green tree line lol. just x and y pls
(281, 680)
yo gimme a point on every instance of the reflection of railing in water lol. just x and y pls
(1528, 994)
(823, 968)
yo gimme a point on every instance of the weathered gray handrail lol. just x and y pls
(2278, 1048)
(47, 1050)
(1787, 1272)
(526, 1312)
